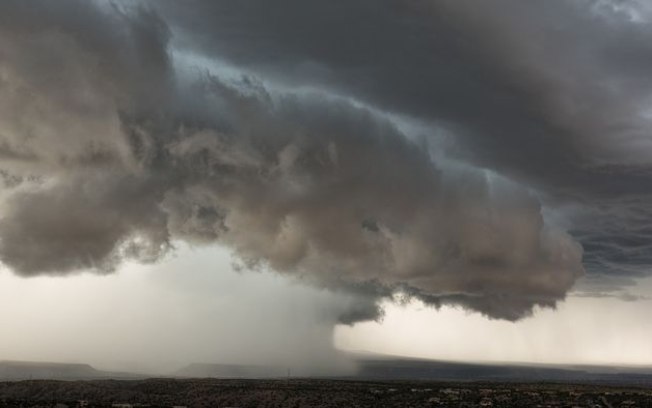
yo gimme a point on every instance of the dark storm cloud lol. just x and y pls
(112, 147)
(333, 194)
(554, 94)
(521, 83)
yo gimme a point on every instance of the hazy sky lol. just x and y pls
(194, 308)
(389, 175)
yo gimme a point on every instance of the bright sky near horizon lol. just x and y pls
(193, 307)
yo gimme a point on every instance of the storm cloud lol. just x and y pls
(434, 150)
(554, 95)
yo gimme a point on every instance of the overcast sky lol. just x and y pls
(257, 181)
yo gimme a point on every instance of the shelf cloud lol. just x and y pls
(451, 151)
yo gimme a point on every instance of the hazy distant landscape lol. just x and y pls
(368, 367)
(379, 381)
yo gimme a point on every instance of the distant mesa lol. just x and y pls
(22, 370)
(370, 367)
(27, 370)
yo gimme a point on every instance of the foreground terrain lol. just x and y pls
(312, 393)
